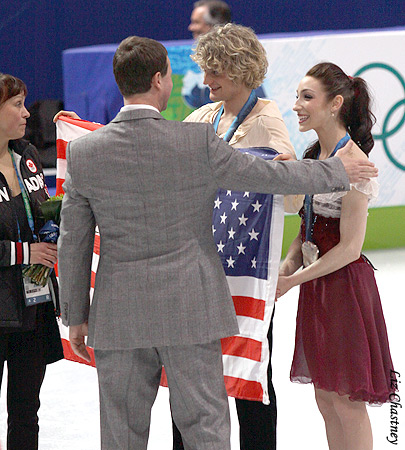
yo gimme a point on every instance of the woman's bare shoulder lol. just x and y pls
(357, 152)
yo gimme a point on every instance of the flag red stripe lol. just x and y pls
(163, 378)
(242, 347)
(71, 356)
(93, 279)
(91, 126)
(59, 182)
(96, 251)
(97, 244)
(61, 148)
(249, 307)
(243, 389)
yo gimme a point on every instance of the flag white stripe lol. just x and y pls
(248, 287)
(69, 132)
(94, 263)
(238, 367)
(251, 328)
(61, 165)
(64, 331)
(275, 245)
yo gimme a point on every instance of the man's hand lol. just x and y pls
(356, 169)
(76, 338)
(284, 157)
(71, 114)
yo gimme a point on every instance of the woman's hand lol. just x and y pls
(71, 114)
(43, 253)
(284, 284)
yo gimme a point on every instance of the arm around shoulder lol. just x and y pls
(356, 164)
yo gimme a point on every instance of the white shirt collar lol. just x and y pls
(138, 106)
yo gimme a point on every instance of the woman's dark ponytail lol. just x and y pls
(355, 113)
(360, 119)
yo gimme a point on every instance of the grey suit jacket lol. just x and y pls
(149, 185)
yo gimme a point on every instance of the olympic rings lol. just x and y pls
(385, 134)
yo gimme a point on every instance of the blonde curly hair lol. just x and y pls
(233, 50)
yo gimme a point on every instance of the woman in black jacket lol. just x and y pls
(29, 335)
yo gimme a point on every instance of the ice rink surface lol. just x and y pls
(69, 417)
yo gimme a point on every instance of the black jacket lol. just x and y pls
(12, 253)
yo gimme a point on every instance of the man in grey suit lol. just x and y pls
(160, 297)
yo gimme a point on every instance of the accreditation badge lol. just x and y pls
(310, 253)
(35, 294)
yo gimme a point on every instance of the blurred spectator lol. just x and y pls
(41, 131)
(206, 14)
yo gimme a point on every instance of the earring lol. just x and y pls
(333, 114)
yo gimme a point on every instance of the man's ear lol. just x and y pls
(156, 80)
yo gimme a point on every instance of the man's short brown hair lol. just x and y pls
(135, 62)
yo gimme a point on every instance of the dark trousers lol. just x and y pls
(26, 371)
(257, 422)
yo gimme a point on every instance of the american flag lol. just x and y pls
(247, 230)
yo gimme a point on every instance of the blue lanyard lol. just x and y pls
(243, 113)
(26, 201)
(308, 209)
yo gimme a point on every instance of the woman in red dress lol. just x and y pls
(341, 341)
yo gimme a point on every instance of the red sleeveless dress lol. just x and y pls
(341, 340)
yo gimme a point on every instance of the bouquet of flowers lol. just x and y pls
(50, 209)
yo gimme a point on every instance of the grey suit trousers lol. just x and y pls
(129, 381)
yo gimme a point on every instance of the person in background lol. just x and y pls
(29, 335)
(234, 64)
(205, 15)
(341, 343)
